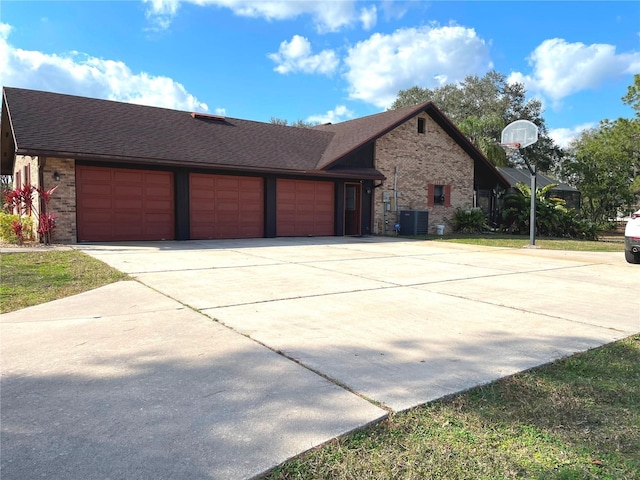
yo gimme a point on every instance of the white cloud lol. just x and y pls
(561, 68)
(564, 136)
(161, 12)
(328, 15)
(338, 114)
(428, 56)
(368, 17)
(80, 74)
(295, 56)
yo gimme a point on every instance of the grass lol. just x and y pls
(519, 241)
(31, 278)
(578, 418)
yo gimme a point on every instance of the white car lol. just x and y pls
(632, 238)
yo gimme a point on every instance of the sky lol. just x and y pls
(323, 60)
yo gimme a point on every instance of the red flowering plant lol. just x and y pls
(21, 202)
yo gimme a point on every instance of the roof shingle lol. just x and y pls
(55, 124)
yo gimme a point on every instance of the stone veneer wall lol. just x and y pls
(426, 158)
(63, 200)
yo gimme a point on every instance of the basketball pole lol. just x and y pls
(532, 215)
(523, 133)
(532, 211)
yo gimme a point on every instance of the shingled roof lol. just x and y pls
(44, 123)
(353, 134)
(51, 124)
(518, 175)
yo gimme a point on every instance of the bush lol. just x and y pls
(7, 230)
(470, 220)
(553, 219)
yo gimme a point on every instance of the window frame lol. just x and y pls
(445, 197)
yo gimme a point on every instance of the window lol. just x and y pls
(420, 125)
(439, 195)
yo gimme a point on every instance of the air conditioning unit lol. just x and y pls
(414, 222)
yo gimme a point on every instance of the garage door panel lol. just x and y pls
(120, 204)
(226, 206)
(128, 179)
(305, 207)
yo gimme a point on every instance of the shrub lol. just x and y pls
(7, 229)
(553, 219)
(470, 220)
(22, 200)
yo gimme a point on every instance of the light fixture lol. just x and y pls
(56, 176)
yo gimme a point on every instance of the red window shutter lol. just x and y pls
(17, 182)
(27, 174)
(447, 195)
(430, 191)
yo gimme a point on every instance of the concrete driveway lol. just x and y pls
(305, 332)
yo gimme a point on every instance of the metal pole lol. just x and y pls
(532, 216)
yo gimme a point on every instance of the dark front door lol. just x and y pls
(352, 209)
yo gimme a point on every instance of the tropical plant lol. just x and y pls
(469, 220)
(22, 201)
(8, 228)
(553, 218)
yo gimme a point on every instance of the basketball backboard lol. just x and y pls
(521, 132)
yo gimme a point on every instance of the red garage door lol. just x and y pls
(226, 206)
(120, 204)
(304, 208)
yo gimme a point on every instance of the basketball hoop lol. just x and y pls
(516, 135)
(510, 147)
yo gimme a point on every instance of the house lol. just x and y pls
(568, 193)
(131, 172)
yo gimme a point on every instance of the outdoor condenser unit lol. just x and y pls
(414, 222)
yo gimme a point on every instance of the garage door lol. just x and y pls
(304, 208)
(120, 204)
(226, 206)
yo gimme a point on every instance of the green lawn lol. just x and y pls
(615, 244)
(32, 278)
(578, 418)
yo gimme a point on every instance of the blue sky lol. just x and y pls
(326, 60)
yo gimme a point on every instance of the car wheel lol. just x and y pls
(631, 257)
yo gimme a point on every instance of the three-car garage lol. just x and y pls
(122, 204)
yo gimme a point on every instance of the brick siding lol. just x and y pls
(63, 200)
(421, 159)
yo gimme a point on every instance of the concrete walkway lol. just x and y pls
(139, 377)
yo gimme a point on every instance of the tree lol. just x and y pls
(632, 98)
(298, 123)
(480, 131)
(604, 164)
(481, 107)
